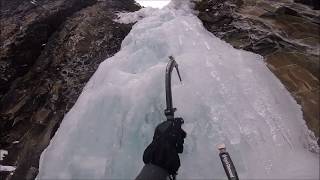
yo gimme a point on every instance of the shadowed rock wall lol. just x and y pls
(49, 50)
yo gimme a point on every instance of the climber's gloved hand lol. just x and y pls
(167, 142)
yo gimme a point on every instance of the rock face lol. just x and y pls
(287, 34)
(49, 50)
(312, 3)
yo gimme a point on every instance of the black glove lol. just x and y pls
(167, 142)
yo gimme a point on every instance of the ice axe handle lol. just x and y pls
(228, 165)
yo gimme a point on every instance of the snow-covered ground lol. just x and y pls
(227, 96)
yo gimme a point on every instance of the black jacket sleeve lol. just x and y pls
(150, 171)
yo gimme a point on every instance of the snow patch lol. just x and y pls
(132, 17)
(7, 168)
(153, 3)
(3, 153)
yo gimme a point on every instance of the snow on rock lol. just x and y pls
(126, 18)
(7, 168)
(153, 3)
(3, 153)
(227, 96)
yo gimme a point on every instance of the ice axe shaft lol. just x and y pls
(169, 111)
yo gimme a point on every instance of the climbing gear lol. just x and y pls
(227, 163)
(169, 112)
(175, 131)
(168, 137)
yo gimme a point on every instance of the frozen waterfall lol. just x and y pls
(227, 96)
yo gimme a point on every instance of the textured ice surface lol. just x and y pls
(227, 96)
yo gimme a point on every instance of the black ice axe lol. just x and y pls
(169, 112)
(175, 122)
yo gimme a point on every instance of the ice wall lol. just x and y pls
(227, 96)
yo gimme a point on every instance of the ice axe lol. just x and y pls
(169, 111)
(175, 122)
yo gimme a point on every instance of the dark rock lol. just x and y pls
(286, 11)
(313, 3)
(49, 52)
(25, 29)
